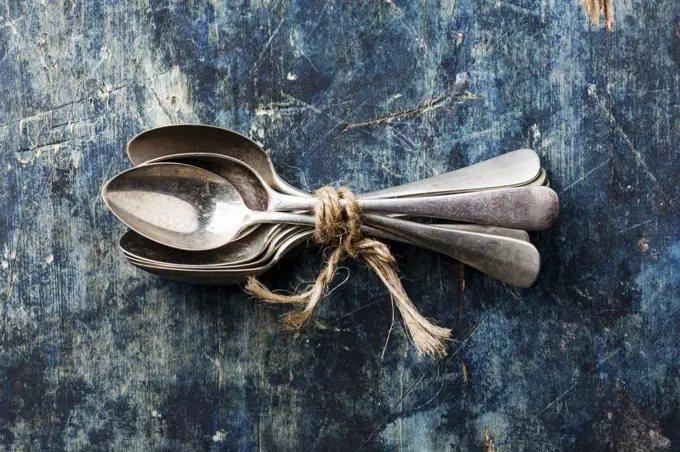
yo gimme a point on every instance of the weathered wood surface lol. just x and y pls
(95, 355)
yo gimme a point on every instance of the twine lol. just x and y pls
(339, 227)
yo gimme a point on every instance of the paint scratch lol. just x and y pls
(582, 178)
(266, 47)
(598, 8)
(633, 149)
(428, 106)
(635, 226)
(579, 380)
(489, 445)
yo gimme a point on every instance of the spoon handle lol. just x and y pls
(517, 234)
(258, 217)
(528, 208)
(512, 169)
(504, 254)
(509, 260)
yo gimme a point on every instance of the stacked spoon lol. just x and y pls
(205, 205)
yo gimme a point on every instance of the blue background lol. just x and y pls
(96, 355)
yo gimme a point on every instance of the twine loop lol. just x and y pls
(338, 225)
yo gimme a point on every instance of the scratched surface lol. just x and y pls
(95, 355)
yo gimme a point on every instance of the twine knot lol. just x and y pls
(338, 224)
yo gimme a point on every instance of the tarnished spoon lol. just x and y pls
(246, 251)
(238, 252)
(190, 208)
(158, 202)
(508, 170)
(261, 197)
(509, 260)
(247, 181)
(223, 277)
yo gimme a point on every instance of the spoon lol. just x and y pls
(261, 196)
(508, 170)
(529, 208)
(509, 260)
(245, 179)
(222, 277)
(191, 223)
(188, 138)
(190, 208)
(244, 252)
(238, 252)
(204, 259)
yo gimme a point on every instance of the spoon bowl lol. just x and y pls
(206, 260)
(223, 277)
(195, 138)
(178, 205)
(238, 252)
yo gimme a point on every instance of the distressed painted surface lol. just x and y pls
(95, 355)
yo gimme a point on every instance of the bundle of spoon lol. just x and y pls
(205, 205)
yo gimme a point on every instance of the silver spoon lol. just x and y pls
(223, 277)
(508, 170)
(186, 138)
(190, 208)
(238, 252)
(261, 196)
(205, 223)
(509, 260)
(140, 249)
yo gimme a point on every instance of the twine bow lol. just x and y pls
(339, 227)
